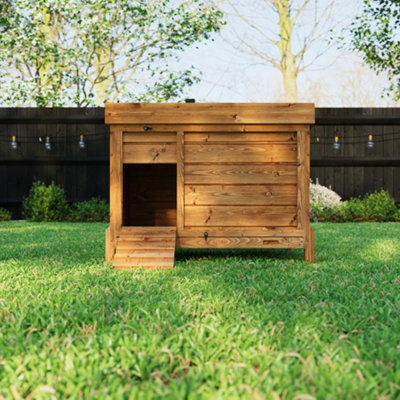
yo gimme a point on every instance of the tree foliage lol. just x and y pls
(375, 34)
(63, 52)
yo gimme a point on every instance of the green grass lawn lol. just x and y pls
(222, 324)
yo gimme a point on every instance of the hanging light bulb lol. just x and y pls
(336, 144)
(82, 144)
(14, 143)
(47, 144)
(370, 143)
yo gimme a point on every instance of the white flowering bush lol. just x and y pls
(322, 199)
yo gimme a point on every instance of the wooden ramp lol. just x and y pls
(145, 246)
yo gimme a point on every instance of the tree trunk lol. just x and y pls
(288, 67)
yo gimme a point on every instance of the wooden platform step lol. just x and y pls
(145, 246)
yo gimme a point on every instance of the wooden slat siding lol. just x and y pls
(212, 128)
(150, 136)
(145, 244)
(219, 153)
(115, 182)
(229, 137)
(240, 195)
(159, 231)
(240, 216)
(245, 231)
(163, 153)
(146, 265)
(109, 249)
(210, 113)
(250, 173)
(309, 247)
(180, 180)
(237, 242)
(303, 178)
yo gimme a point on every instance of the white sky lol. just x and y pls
(336, 79)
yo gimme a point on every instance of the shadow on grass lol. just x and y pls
(279, 254)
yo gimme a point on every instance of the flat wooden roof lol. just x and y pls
(209, 113)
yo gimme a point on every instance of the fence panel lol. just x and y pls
(355, 169)
(82, 172)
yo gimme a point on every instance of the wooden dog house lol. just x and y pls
(207, 176)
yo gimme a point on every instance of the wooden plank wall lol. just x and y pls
(351, 171)
(83, 173)
(212, 201)
(355, 170)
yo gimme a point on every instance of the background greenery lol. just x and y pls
(237, 324)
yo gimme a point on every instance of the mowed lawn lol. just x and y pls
(222, 324)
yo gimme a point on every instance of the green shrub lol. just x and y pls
(5, 215)
(377, 206)
(45, 203)
(94, 210)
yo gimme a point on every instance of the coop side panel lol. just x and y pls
(240, 180)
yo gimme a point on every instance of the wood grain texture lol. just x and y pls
(149, 137)
(162, 153)
(148, 247)
(180, 181)
(309, 249)
(115, 182)
(220, 153)
(236, 242)
(240, 195)
(303, 179)
(250, 173)
(240, 216)
(109, 248)
(209, 113)
(244, 137)
(243, 231)
(212, 128)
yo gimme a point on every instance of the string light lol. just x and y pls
(82, 144)
(336, 144)
(14, 143)
(370, 143)
(47, 144)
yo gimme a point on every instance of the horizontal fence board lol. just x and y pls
(240, 195)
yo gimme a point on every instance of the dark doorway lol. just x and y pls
(149, 195)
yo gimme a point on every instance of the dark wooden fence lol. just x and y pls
(352, 170)
(82, 172)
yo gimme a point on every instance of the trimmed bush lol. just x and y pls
(45, 203)
(93, 210)
(377, 206)
(5, 215)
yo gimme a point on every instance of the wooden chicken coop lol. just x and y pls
(207, 176)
